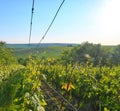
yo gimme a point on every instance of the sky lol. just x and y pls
(95, 21)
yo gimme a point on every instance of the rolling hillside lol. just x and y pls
(43, 50)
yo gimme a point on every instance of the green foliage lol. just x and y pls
(93, 88)
(92, 53)
(6, 55)
(20, 88)
(86, 75)
(115, 56)
(87, 87)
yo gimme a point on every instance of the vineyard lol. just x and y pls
(86, 87)
(56, 71)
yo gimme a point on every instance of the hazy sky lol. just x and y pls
(96, 21)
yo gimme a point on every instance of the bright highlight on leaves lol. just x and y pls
(68, 86)
(105, 109)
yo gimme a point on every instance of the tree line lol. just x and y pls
(90, 53)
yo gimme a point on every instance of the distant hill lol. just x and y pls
(39, 45)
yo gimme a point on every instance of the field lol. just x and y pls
(44, 50)
(52, 51)
(83, 77)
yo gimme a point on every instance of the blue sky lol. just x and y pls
(96, 21)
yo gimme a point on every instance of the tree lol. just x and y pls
(87, 52)
(6, 55)
(115, 57)
(2, 43)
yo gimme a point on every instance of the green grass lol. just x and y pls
(51, 51)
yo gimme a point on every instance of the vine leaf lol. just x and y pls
(68, 86)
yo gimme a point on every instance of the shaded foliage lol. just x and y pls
(6, 55)
(92, 53)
